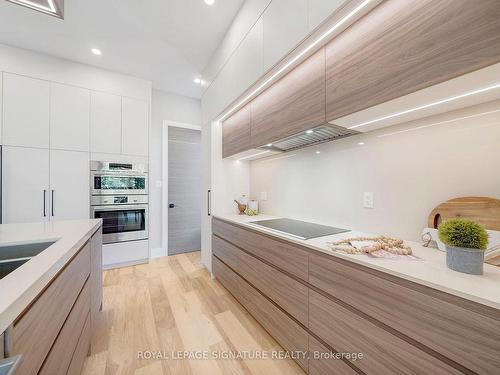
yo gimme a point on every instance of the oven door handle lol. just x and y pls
(121, 207)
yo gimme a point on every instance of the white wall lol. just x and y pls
(409, 170)
(37, 65)
(172, 107)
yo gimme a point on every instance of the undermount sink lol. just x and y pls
(14, 256)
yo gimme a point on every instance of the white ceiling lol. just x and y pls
(166, 41)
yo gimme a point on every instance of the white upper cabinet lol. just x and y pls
(285, 25)
(25, 185)
(69, 185)
(105, 123)
(25, 111)
(135, 127)
(319, 10)
(69, 118)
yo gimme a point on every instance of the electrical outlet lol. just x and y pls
(263, 195)
(368, 199)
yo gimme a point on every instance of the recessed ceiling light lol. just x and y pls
(309, 131)
(269, 144)
(361, 143)
(209, 2)
(96, 51)
(197, 80)
(318, 152)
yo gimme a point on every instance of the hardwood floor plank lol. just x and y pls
(173, 305)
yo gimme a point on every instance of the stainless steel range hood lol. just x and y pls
(319, 134)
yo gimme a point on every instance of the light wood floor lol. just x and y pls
(169, 305)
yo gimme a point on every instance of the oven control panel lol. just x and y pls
(105, 200)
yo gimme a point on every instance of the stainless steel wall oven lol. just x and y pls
(119, 196)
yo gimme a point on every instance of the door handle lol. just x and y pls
(44, 202)
(52, 199)
(171, 205)
(209, 202)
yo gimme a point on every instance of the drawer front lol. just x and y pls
(285, 330)
(288, 293)
(225, 252)
(468, 338)
(81, 351)
(35, 332)
(59, 358)
(281, 254)
(321, 363)
(383, 353)
(225, 276)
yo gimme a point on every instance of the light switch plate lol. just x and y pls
(158, 183)
(263, 195)
(368, 199)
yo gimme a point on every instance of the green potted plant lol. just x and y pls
(465, 243)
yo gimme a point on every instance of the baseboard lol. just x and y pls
(125, 264)
(157, 252)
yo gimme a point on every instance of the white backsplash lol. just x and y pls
(410, 168)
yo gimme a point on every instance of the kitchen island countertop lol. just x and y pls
(19, 288)
(430, 270)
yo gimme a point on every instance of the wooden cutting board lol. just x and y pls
(483, 210)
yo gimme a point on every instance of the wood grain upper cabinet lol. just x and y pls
(293, 104)
(399, 48)
(236, 132)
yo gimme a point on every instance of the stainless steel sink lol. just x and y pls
(13, 256)
(8, 365)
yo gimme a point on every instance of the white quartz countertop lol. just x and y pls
(21, 286)
(430, 271)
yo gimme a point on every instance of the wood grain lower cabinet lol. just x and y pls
(95, 278)
(399, 326)
(81, 351)
(284, 329)
(53, 334)
(59, 358)
(226, 277)
(442, 322)
(286, 292)
(267, 248)
(36, 330)
(228, 253)
(322, 362)
(383, 353)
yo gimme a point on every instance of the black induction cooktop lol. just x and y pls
(297, 228)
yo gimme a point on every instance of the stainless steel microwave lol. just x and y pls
(107, 178)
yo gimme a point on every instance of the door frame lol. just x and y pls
(164, 191)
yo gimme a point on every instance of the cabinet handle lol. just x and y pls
(52, 202)
(44, 202)
(209, 203)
